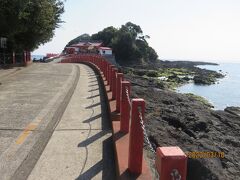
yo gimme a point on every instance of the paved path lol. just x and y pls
(4, 73)
(32, 111)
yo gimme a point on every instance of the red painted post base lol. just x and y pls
(136, 137)
(119, 91)
(171, 163)
(125, 107)
(121, 144)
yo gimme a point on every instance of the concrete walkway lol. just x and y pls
(81, 145)
(54, 125)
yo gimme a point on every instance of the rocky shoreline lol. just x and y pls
(171, 74)
(174, 119)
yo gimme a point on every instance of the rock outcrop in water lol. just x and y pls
(174, 119)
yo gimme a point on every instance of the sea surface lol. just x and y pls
(37, 57)
(226, 92)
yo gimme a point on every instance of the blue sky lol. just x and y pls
(207, 30)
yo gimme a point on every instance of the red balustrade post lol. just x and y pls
(135, 156)
(94, 62)
(125, 107)
(89, 60)
(98, 63)
(110, 76)
(107, 73)
(82, 58)
(101, 64)
(106, 67)
(171, 163)
(118, 90)
(114, 82)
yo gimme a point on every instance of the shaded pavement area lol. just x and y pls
(54, 124)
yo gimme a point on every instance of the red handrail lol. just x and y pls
(171, 162)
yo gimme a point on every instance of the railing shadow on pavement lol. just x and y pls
(91, 77)
(92, 118)
(93, 90)
(105, 164)
(93, 105)
(91, 97)
(91, 85)
(92, 81)
(92, 139)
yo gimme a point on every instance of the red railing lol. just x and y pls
(171, 162)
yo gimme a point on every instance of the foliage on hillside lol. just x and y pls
(29, 23)
(128, 43)
(83, 38)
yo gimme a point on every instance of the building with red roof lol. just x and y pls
(88, 47)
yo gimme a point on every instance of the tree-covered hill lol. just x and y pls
(129, 44)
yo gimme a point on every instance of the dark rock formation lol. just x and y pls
(174, 119)
(233, 110)
(203, 80)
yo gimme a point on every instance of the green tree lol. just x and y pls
(134, 29)
(130, 44)
(106, 36)
(29, 23)
(123, 46)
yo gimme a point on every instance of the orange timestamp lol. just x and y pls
(205, 154)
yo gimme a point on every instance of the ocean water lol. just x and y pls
(37, 56)
(226, 92)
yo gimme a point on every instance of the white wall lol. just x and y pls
(107, 52)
